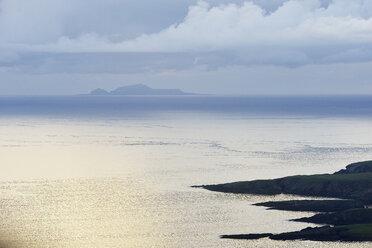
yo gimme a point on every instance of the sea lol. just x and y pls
(116, 171)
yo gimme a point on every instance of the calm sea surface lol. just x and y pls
(107, 172)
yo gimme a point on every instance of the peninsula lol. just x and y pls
(346, 219)
(138, 89)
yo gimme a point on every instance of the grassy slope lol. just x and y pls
(359, 232)
(354, 182)
(354, 186)
(347, 217)
(312, 205)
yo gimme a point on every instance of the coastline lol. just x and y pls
(348, 219)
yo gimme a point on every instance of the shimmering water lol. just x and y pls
(78, 178)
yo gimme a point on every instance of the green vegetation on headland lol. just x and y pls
(312, 205)
(360, 167)
(347, 217)
(360, 232)
(347, 186)
(352, 220)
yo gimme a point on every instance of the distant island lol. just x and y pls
(347, 219)
(138, 89)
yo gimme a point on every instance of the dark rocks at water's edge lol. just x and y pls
(346, 217)
(247, 236)
(352, 218)
(346, 232)
(138, 89)
(348, 186)
(326, 233)
(312, 205)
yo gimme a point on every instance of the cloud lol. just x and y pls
(215, 34)
(299, 31)
(43, 21)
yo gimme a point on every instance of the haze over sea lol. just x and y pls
(115, 171)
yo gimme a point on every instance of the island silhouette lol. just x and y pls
(139, 89)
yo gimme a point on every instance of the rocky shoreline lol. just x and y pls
(346, 219)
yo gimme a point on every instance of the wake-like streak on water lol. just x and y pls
(83, 172)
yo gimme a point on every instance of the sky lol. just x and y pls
(218, 46)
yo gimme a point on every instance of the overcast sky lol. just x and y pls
(217, 46)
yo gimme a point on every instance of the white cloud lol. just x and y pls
(297, 32)
(69, 46)
(281, 32)
(296, 24)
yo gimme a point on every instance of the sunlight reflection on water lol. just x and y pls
(125, 183)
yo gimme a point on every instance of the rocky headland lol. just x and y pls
(347, 219)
